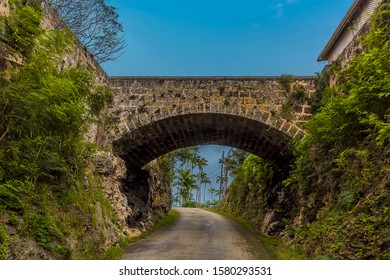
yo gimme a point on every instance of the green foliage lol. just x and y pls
(11, 195)
(296, 95)
(45, 232)
(245, 197)
(362, 104)
(299, 93)
(185, 182)
(190, 204)
(44, 108)
(341, 169)
(113, 253)
(187, 158)
(253, 173)
(185, 169)
(4, 237)
(167, 163)
(286, 81)
(44, 112)
(361, 233)
(98, 99)
(21, 28)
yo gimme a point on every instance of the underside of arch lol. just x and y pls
(151, 141)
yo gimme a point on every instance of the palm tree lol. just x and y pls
(201, 162)
(186, 183)
(187, 157)
(221, 180)
(204, 180)
(176, 199)
(236, 159)
(190, 160)
(213, 192)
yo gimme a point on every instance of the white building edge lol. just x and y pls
(357, 16)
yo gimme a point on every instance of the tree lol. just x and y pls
(235, 160)
(202, 176)
(96, 25)
(204, 180)
(189, 159)
(176, 199)
(214, 192)
(230, 164)
(185, 182)
(221, 180)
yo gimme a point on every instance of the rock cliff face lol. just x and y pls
(137, 196)
(267, 207)
(86, 219)
(278, 209)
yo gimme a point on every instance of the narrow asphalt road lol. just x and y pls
(198, 235)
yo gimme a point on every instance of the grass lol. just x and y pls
(280, 250)
(276, 247)
(116, 253)
(170, 218)
(233, 217)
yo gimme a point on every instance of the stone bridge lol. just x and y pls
(150, 116)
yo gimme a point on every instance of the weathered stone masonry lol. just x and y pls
(151, 116)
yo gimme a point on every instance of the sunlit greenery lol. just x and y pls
(343, 163)
(44, 113)
(245, 197)
(339, 186)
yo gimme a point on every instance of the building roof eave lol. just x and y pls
(350, 15)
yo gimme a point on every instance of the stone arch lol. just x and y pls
(150, 116)
(147, 142)
(173, 112)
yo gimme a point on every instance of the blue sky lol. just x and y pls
(225, 37)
